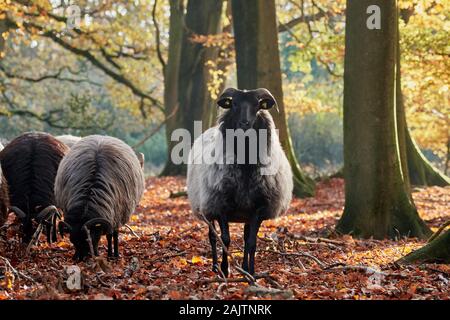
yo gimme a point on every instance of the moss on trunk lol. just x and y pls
(437, 251)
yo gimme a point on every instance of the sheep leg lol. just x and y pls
(116, 243)
(54, 231)
(225, 236)
(213, 242)
(251, 243)
(245, 259)
(109, 238)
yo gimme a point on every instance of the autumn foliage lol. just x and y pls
(299, 256)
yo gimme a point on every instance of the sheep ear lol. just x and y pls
(226, 98)
(266, 99)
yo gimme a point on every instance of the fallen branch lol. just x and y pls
(179, 194)
(15, 271)
(299, 254)
(264, 275)
(168, 256)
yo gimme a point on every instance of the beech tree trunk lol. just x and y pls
(258, 65)
(188, 79)
(377, 199)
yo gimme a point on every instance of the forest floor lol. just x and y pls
(298, 256)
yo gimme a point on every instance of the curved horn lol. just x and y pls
(45, 213)
(64, 227)
(99, 221)
(18, 212)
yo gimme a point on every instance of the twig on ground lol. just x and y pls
(132, 231)
(15, 271)
(34, 239)
(299, 254)
(178, 194)
(168, 256)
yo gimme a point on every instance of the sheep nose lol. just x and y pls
(245, 123)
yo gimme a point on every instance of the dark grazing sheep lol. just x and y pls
(247, 192)
(98, 186)
(4, 198)
(29, 164)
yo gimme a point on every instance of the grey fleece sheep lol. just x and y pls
(98, 186)
(249, 192)
(70, 141)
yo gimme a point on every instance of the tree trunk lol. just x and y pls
(171, 81)
(436, 251)
(193, 98)
(421, 171)
(258, 65)
(377, 201)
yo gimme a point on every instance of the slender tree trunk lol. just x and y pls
(258, 65)
(377, 200)
(193, 98)
(172, 69)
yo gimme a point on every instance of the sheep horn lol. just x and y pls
(18, 212)
(64, 227)
(45, 213)
(99, 221)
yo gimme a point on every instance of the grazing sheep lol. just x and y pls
(4, 199)
(98, 186)
(245, 192)
(68, 140)
(29, 164)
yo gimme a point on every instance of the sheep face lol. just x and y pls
(78, 235)
(244, 106)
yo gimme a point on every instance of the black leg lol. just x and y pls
(109, 238)
(251, 243)
(225, 236)
(54, 231)
(213, 242)
(245, 260)
(48, 231)
(116, 243)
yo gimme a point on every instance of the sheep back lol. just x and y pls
(231, 189)
(68, 140)
(99, 177)
(29, 164)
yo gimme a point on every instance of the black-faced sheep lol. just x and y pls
(4, 198)
(98, 186)
(248, 191)
(29, 164)
(68, 140)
